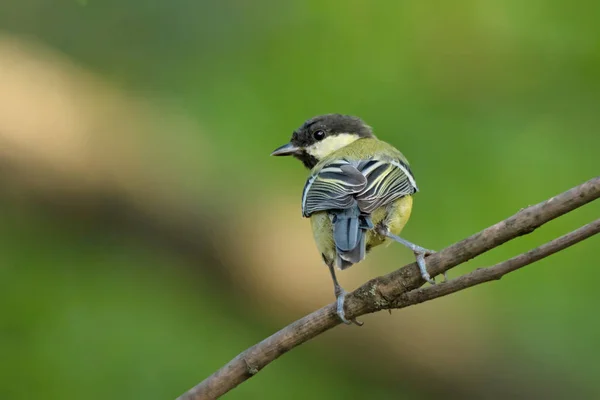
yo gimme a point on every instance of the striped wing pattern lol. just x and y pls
(370, 184)
(334, 187)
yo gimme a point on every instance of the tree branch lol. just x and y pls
(396, 290)
(482, 275)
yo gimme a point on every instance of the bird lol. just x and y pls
(359, 193)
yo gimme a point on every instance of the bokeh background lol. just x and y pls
(146, 236)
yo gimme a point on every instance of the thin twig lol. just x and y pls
(495, 272)
(392, 290)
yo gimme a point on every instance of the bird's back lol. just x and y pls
(364, 149)
(344, 236)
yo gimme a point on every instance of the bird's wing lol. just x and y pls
(332, 187)
(370, 184)
(387, 180)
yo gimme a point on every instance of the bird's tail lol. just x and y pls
(349, 233)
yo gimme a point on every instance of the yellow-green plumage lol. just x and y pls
(361, 149)
(392, 216)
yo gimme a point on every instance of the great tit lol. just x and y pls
(358, 194)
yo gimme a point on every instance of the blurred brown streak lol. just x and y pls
(72, 147)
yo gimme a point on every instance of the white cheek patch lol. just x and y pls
(330, 144)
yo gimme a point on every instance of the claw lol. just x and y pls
(420, 253)
(341, 296)
(421, 263)
(340, 307)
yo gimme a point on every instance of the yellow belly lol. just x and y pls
(393, 216)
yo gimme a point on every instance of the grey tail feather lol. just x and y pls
(349, 233)
(345, 259)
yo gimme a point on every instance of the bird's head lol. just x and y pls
(320, 136)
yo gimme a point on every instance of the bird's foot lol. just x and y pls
(420, 252)
(420, 255)
(341, 296)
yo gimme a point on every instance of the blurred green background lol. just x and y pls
(147, 237)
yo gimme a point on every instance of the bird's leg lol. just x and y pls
(422, 267)
(340, 295)
(419, 251)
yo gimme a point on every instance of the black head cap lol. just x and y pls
(321, 127)
(330, 124)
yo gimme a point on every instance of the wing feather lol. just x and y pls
(370, 184)
(333, 187)
(386, 182)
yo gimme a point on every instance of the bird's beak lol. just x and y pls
(286, 150)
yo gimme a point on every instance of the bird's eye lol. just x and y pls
(319, 135)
